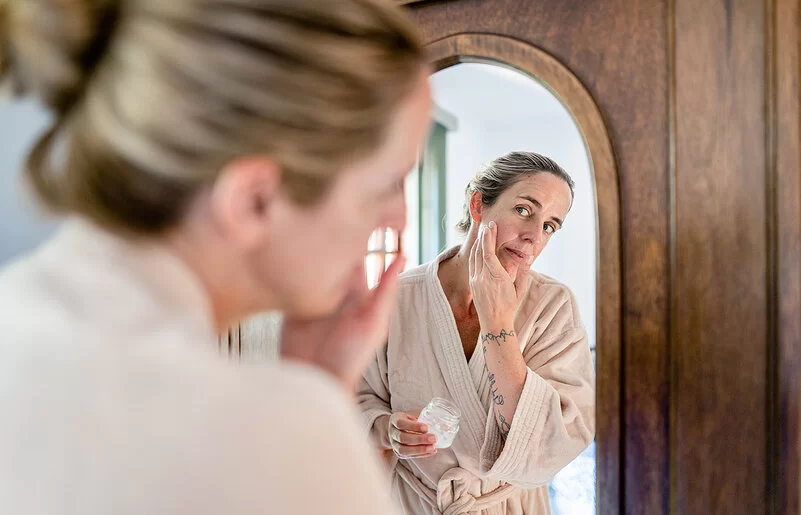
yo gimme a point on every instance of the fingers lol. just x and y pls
(488, 257)
(411, 439)
(523, 279)
(404, 422)
(487, 251)
(413, 451)
(490, 239)
(479, 264)
(471, 262)
(384, 293)
(358, 290)
(358, 281)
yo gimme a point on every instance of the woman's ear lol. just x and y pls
(476, 207)
(242, 197)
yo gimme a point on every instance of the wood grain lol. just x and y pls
(785, 199)
(721, 259)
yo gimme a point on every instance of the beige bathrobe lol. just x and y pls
(553, 422)
(114, 400)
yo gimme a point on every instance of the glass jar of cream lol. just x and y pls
(442, 417)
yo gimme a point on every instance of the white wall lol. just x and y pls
(500, 110)
(22, 227)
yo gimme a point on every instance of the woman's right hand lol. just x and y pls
(409, 438)
(345, 341)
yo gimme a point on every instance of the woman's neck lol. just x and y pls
(222, 272)
(454, 276)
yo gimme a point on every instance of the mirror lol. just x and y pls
(483, 111)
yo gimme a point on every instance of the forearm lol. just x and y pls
(506, 370)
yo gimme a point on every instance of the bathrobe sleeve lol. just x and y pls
(555, 416)
(372, 393)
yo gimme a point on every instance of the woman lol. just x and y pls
(214, 158)
(504, 343)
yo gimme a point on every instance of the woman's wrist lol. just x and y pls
(496, 326)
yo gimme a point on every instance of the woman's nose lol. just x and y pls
(531, 235)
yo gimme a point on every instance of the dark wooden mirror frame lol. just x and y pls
(545, 69)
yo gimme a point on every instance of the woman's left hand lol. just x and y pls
(495, 295)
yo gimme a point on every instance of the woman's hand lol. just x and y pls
(344, 342)
(495, 295)
(409, 438)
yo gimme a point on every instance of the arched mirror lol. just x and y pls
(494, 95)
(484, 110)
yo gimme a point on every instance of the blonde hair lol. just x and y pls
(153, 97)
(495, 178)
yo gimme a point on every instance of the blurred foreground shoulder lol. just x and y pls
(309, 453)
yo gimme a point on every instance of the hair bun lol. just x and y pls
(49, 48)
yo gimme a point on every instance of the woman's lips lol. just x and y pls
(517, 256)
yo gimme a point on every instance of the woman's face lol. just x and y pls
(528, 214)
(320, 249)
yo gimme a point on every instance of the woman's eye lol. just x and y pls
(522, 210)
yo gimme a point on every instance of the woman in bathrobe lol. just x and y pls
(504, 343)
(213, 159)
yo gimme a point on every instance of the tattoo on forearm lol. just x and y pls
(496, 337)
(505, 426)
(496, 397)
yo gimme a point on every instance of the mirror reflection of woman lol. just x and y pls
(479, 327)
